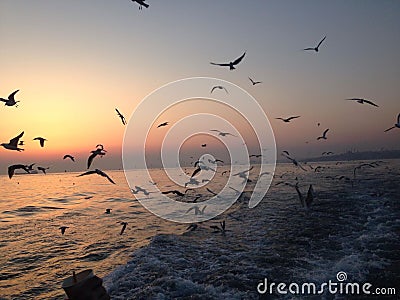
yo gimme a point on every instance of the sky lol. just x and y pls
(75, 61)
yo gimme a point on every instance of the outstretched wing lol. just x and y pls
(90, 159)
(87, 173)
(390, 128)
(309, 49)
(325, 132)
(294, 117)
(371, 103)
(222, 65)
(14, 141)
(195, 172)
(11, 96)
(106, 176)
(319, 44)
(238, 60)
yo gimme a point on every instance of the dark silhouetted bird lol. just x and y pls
(316, 49)
(13, 143)
(10, 101)
(231, 64)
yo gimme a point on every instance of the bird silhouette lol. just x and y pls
(221, 133)
(254, 82)
(316, 49)
(98, 172)
(13, 143)
(163, 124)
(69, 156)
(178, 193)
(10, 101)
(220, 87)
(287, 120)
(63, 228)
(121, 116)
(362, 101)
(396, 125)
(323, 135)
(41, 140)
(43, 169)
(99, 151)
(231, 64)
(12, 168)
(124, 224)
(141, 3)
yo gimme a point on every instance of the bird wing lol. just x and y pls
(212, 90)
(190, 209)
(14, 141)
(398, 119)
(222, 65)
(300, 195)
(11, 96)
(319, 44)
(371, 103)
(90, 159)
(309, 49)
(310, 196)
(239, 59)
(252, 81)
(4, 100)
(326, 130)
(87, 173)
(294, 117)
(195, 172)
(42, 142)
(216, 130)
(105, 175)
(12, 168)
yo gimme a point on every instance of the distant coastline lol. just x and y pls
(364, 155)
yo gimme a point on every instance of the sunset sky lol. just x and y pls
(75, 61)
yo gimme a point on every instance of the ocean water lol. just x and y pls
(353, 226)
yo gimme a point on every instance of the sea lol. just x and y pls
(276, 250)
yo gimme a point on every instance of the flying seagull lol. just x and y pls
(220, 228)
(99, 151)
(220, 87)
(178, 193)
(254, 82)
(230, 64)
(362, 101)
(98, 172)
(197, 210)
(222, 133)
(396, 125)
(63, 228)
(108, 211)
(12, 168)
(316, 49)
(43, 169)
(141, 3)
(10, 101)
(295, 162)
(121, 116)
(204, 145)
(41, 140)
(124, 224)
(163, 124)
(287, 120)
(13, 143)
(323, 135)
(139, 189)
(69, 156)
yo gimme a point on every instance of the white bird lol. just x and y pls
(10, 101)
(13, 143)
(396, 125)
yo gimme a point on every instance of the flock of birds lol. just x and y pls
(15, 145)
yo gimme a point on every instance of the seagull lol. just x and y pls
(10, 101)
(121, 116)
(63, 228)
(99, 151)
(254, 82)
(396, 125)
(255, 155)
(13, 143)
(220, 228)
(124, 224)
(192, 181)
(222, 133)
(178, 193)
(220, 87)
(215, 161)
(30, 167)
(197, 210)
(141, 3)
(362, 101)
(203, 145)
(41, 140)
(360, 166)
(12, 168)
(287, 120)
(43, 169)
(230, 64)
(139, 189)
(98, 172)
(69, 156)
(286, 152)
(295, 162)
(323, 135)
(316, 49)
(108, 211)
(243, 174)
(310, 196)
(163, 124)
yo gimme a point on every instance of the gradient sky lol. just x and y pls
(75, 61)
